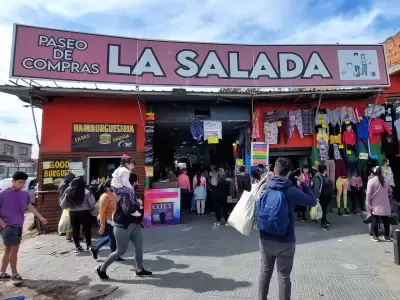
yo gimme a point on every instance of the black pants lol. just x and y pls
(357, 193)
(78, 219)
(375, 224)
(220, 204)
(185, 199)
(301, 211)
(324, 202)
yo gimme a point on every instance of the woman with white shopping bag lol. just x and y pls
(322, 187)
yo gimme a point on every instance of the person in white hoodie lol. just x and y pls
(120, 181)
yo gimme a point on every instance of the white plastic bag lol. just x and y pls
(316, 212)
(243, 216)
(64, 225)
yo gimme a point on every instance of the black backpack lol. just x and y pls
(326, 187)
(124, 210)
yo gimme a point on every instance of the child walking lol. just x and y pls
(120, 182)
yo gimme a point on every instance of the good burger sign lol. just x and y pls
(61, 55)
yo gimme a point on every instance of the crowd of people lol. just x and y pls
(289, 190)
(120, 213)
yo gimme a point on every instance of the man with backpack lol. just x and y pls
(275, 218)
(323, 190)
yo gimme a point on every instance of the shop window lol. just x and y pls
(8, 149)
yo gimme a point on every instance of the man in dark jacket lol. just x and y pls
(282, 248)
(64, 184)
(243, 181)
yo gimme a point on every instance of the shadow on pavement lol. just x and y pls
(160, 264)
(57, 289)
(198, 282)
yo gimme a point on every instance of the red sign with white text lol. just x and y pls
(62, 55)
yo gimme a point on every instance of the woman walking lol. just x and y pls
(200, 192)
(127, 227)
(377, 198)
(108, 204)
(80, 202)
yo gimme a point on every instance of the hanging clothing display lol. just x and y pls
(307, 119)
(363, 135)
(322, 144)
(347, 115)
(374, 111)
(295, 120)
(333, 116)
(255, 134)
(378, 126)
(349, 137)
(341, 190)
(271, 133)
(197, 130)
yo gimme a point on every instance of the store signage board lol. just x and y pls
(96, 137)
(41, 53)
(162, 207)
(259, 154)
(54, 170)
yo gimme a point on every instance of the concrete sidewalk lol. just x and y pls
(199, 261)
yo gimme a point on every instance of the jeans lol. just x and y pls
(122, 237)
(81, 218)
(109, 237)
(283, 254)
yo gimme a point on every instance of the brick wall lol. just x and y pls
(392, 45)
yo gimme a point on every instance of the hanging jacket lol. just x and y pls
(349, 137)
(347, 114)
(362, 129)
(378, 126)
(372, 112)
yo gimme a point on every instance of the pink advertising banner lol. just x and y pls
(41, 53)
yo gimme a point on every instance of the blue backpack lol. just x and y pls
(273, 212)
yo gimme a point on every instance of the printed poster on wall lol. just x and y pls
(96, 137)
(259, 154)
(54, 170)
(212, 129)
(43, 53)
(162, 207)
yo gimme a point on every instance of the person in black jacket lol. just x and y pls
(126, 228)
(243, 181)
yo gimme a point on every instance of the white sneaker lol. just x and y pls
(217, 224)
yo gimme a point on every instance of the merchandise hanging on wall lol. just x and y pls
(149, 138)
(97, 137)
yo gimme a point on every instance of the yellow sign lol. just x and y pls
(363, 155)
(348, 151)
(149, 171)
(239, 162)
(213, 140)
(55, 170)
(341, 146)
(347, 122)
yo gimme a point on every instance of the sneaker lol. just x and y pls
(374, 239)
(143, 273)
(387, 239)
(136, 214)
(314, 221)
(327, 223)
(102, 274)
(325, 227)
(79, 249)
(227, 224)
(304, 219)
(94, 252)
(339, 213)
(217, 224)
(345, 212)
(4, 276)
(16, 279)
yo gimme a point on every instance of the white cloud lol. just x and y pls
(256, 21)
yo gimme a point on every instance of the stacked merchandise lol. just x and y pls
(149, 138)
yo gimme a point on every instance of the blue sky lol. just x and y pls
(233, 21)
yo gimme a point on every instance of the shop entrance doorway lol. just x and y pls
(99, 167)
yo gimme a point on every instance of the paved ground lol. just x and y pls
(199, 261)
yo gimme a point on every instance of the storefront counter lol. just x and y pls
(162, 207)
(164, 184)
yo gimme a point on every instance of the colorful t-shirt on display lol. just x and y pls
(13, 204)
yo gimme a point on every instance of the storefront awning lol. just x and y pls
(41, 93)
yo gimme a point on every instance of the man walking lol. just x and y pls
(14, 201)
(323, 190)
(275, 218)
